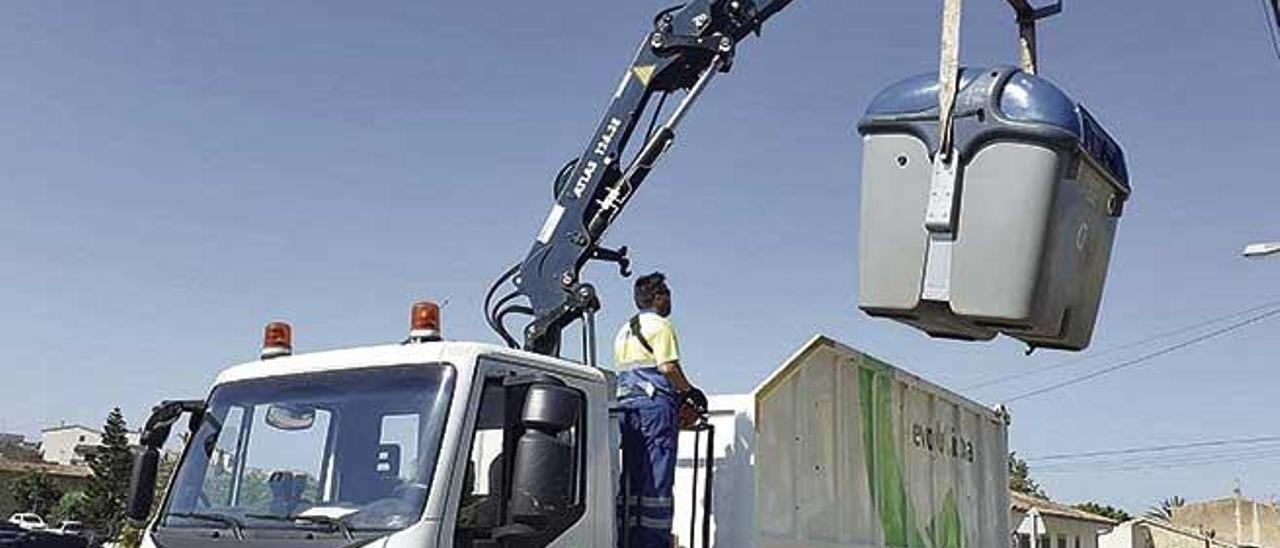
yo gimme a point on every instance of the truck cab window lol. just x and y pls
(249, 466)
(282, 467)
(500, 442)
(479, 510)
(279, 453)
(222, 458)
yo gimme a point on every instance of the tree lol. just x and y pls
(1163, 510)
(71, 507)
(1106, 511)
(35, 492)
(112, 465)
(1020, 478)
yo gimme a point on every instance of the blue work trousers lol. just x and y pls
(649, 429)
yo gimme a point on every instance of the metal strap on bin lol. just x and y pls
(944, 200)
(942, 188)
(940, 213)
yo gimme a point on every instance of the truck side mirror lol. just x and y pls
(142, 485)
(542, 475)
(551, 408)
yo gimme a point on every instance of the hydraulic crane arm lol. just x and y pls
(688, 46)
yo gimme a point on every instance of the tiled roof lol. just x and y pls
(1024, 503)
(70, 427)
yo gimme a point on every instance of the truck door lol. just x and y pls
(489, 511)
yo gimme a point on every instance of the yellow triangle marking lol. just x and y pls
(644, 73)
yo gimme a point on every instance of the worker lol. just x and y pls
(651, 389)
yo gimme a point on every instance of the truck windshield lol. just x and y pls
(338, 451)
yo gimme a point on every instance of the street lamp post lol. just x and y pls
(1261, 249)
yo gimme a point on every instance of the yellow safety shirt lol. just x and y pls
(628, 352)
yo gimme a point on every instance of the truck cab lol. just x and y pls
(426, 444)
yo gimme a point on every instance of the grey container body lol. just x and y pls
(1040, 189)
(850, 451)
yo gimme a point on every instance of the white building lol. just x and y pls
(1039, 523)
(1150, 533)
(68, 444)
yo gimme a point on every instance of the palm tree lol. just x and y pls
(1164, 510)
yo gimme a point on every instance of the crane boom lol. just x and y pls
(688, 46)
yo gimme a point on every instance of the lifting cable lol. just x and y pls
(1027, 16)
(948, 72)
(943, 204)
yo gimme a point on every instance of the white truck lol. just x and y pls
(455, 444)
(434, 443)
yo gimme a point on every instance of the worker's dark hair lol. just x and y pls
(648, 287)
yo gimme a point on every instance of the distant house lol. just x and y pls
(1153, 533)
(69, 444)
(1232, 519)
(1039, 523)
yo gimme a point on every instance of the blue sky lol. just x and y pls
(172, 177)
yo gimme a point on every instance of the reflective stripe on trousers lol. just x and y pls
(649, 455)
(653, 523)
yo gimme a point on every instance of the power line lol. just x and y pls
(1163, 458)
(1145, 357)
(1219, 457)
(1111, 350)
(1164, 466)
(1156, 448)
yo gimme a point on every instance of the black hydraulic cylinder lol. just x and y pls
(686, 46)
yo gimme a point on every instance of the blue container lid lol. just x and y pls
(1012, 101)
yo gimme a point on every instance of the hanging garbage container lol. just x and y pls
(1039, 187)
